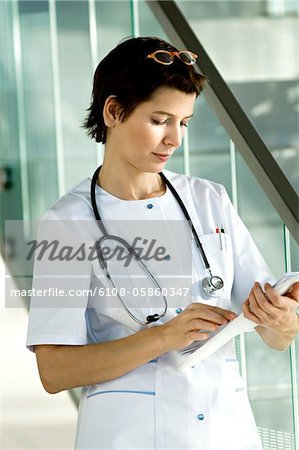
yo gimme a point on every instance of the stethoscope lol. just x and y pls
(212, 285)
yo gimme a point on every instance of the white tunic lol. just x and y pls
(156, 406)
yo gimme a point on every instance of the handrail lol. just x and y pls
(238, 126)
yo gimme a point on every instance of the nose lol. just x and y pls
(173, 136)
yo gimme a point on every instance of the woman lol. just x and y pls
(133, 396)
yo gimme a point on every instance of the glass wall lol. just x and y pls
(254, 45)
(49, 50)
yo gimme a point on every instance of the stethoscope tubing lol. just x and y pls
(106, 235)
(190, 223)
(150, 318)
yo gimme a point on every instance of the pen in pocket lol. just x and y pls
(223, 234)
(218, 231)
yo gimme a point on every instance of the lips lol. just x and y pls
(162, 156)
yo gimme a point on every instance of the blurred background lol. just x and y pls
(48, 52)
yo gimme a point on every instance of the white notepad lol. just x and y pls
(199, 350)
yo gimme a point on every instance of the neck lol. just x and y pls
(128, 183)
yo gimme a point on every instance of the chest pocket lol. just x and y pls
(220, 257)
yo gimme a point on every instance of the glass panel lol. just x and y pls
(11, 197)
(113, 24)
(209, 146)
(254, 46)
(291, 263)
(149, 26)
(294, 254)
(260, 217)
(38, 106)
(268, 371)
(75, 73)
(206, 9)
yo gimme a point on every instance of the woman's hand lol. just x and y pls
(193, 324)
(275, 313)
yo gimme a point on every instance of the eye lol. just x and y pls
(184, 125)
(157, 122)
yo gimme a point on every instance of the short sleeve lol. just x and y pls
(60, 286)
(249, 264)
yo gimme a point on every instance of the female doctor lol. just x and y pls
(133, 397)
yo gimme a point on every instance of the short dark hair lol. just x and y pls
(127, 73)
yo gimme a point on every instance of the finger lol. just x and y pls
(286, 302)
(263, 309)
(283, 304)
(269, 299)
(274, 297)
(226, 313)
(199, 324)
(249, 314)
(196, 336)
(209, 315)
(258, 303)
(294, 292)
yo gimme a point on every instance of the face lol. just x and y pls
(153, 131)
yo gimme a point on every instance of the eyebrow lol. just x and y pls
(169, 114)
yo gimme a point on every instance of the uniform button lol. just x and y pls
(178, 310)
(149, 205)
(200, 417)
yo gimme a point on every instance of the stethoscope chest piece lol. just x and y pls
(212, 285)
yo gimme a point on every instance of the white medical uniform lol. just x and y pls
(156, 406)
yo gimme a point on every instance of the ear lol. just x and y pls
(111, 111)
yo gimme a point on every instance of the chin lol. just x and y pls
(150, 166)
(156, 168)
